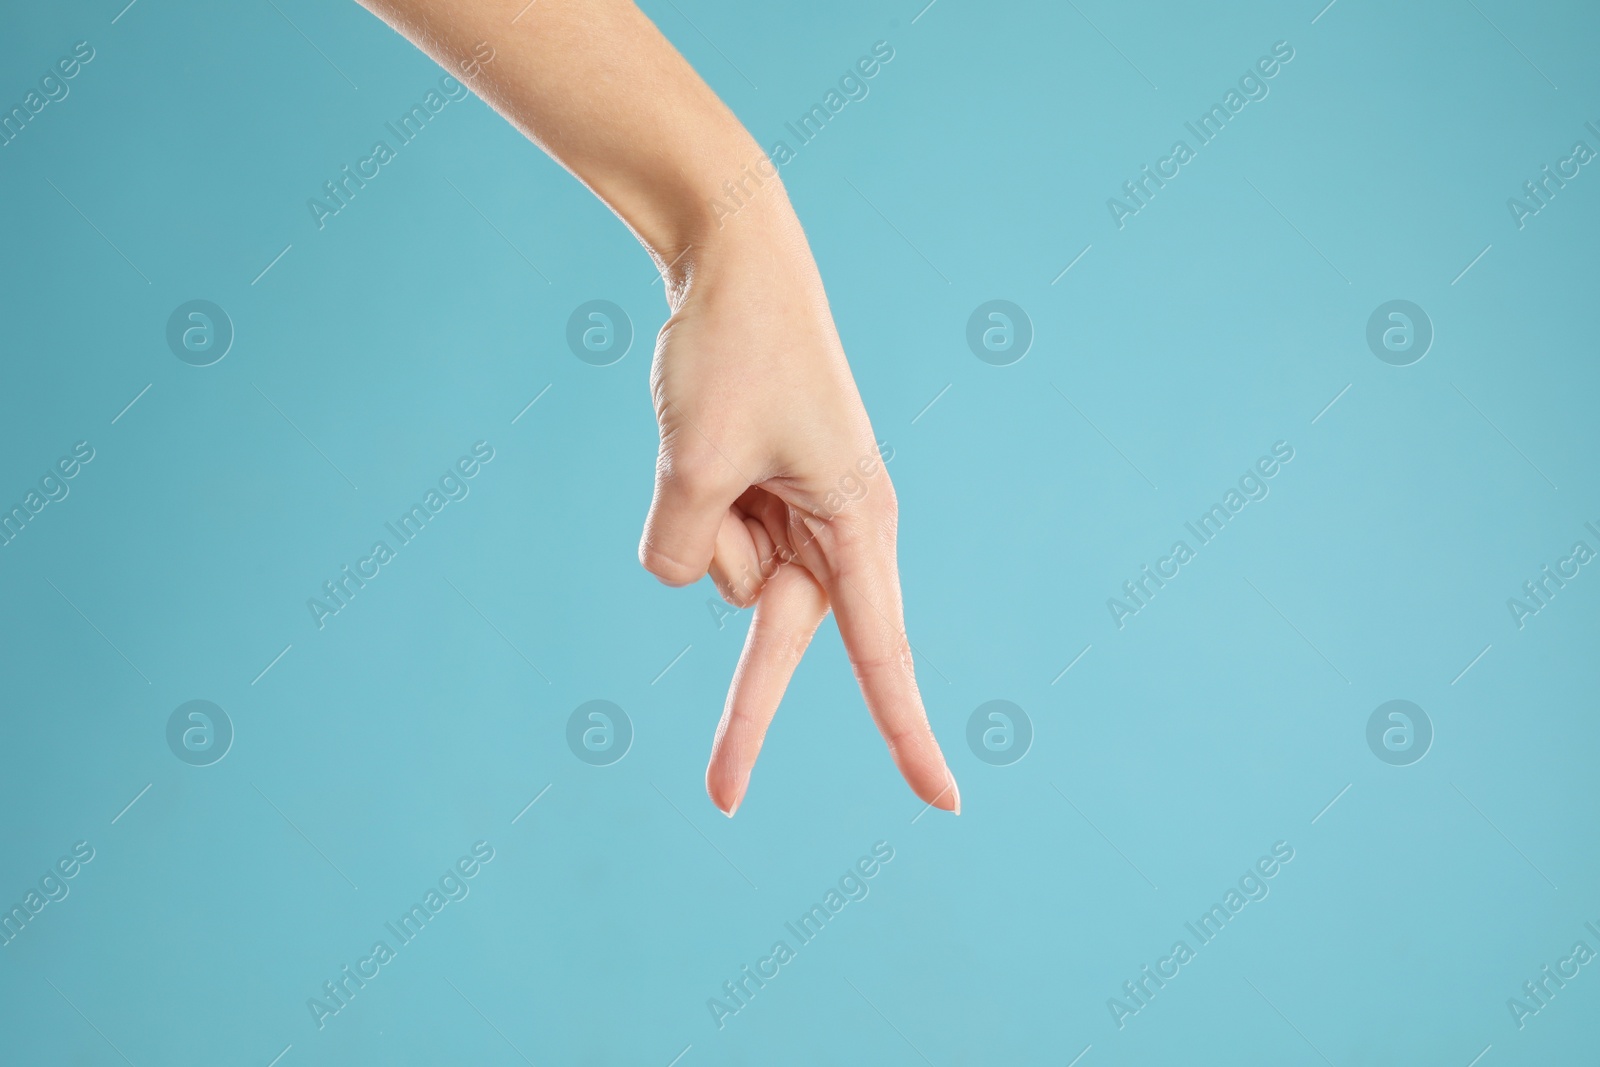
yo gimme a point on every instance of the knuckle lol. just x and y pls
(901, 734)
(888, 507)
(791, 647)
(869, 533)
(893, 655)
(693, 468)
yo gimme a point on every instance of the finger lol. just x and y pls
(787, 615)
(863, 584)
(752, 544)
(691, 498)
(744, 558)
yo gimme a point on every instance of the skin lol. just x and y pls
(768, 476)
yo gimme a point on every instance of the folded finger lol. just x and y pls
(738, 565)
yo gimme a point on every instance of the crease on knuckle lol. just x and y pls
(897, 656)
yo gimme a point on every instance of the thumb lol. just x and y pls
(692, 495)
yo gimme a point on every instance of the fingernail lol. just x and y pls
(716, 800)
(738, 796)
(956, 791)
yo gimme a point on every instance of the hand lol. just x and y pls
(769, 478)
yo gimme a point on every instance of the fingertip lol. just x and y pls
(726, 789)
(948, 798)
(742, 597)
(726, 803)
(929, 777)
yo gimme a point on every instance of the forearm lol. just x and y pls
(598, 87)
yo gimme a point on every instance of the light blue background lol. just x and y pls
(1211, 726)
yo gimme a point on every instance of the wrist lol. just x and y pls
(760, 247)
(718, 203)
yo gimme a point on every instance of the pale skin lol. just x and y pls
(768, 476)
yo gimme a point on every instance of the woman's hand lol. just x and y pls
(769, 478)
(768, 475)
